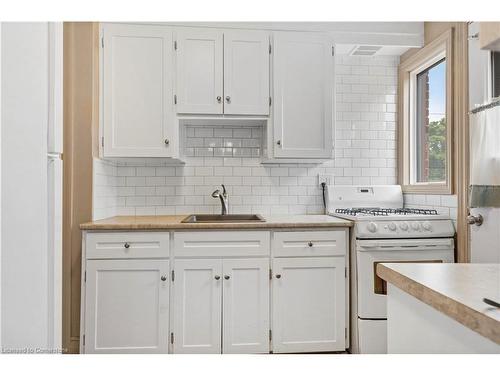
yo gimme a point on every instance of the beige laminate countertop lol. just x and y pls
(174, 222)
(456, 290)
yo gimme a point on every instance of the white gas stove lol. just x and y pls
(378, 213)
(383, 231)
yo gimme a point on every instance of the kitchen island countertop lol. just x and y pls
(456, 290)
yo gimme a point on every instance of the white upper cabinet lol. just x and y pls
(246, 72)
(303, 70)
(137, 84)
(199, 71)
(127, 306)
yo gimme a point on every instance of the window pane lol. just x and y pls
(430, 129)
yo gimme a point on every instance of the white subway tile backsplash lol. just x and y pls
(365, 153)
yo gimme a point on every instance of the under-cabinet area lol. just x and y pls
(277, 290)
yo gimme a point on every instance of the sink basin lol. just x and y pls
(222, 218)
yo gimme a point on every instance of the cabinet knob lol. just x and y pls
(278, 142)
(163, 278)
(278, 276)
(226, 277)
(217, 277)
(228, 99)
(310, 244)
(167, 142)
(127, 245)
(219, 99)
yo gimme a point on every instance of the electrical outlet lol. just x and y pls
(323, 178)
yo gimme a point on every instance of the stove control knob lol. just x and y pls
(372, 227)
(415, 225)
(403, 225)
(427, 226)
(392, 226)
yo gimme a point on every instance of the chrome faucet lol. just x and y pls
(224, 199)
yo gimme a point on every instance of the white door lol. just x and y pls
(137, 91)
(199, 71)
(246, 306)
(197, 306)
(246, 72)
(303, 95)
(308, 304)
(127, 306)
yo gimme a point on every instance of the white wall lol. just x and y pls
(365, 153)
(24, 86)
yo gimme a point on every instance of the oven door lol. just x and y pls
(371, 288)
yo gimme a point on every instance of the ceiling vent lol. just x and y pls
(365, 50)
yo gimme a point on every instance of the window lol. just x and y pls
(424, 119)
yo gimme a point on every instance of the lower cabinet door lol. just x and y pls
(127, 306)
(246, 306)
(308, 304)
(197, 306)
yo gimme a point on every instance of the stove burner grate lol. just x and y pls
(385, 211)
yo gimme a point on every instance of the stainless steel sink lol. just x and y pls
(222, 218)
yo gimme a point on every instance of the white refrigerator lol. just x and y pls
(31, 187)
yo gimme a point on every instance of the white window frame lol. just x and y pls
(440, 48)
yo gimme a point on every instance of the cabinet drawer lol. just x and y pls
(310, 243)
(127, 245)
(221, 244)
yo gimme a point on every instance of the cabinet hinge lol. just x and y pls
(270, 274)
(171, 337)
(345, 333)
(175, 45)
(173, 275)
(270, 101)
(345, 272)
(333, 51)
(85, 277)
(269, 48)
(83, 340)
(175, 99)
(102, 41)
(270, 335)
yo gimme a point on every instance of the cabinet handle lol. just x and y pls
(163, 278)
(226, 277)
(278, 276)
(167, 142)
(127, 245)
(278, 142)
(219, 99)
(217, 277)
(310, 244)
(228, 99)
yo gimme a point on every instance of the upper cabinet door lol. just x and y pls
(246, 306)
(303, 95)
(197, 309)
(246, 72)
(199, 71)
(137, 91)
(127, 306)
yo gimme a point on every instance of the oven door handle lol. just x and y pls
(364, 245)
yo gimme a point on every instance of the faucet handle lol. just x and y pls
(216, 194)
